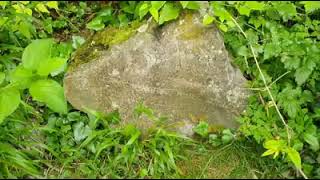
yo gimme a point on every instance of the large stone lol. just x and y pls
(180, 70)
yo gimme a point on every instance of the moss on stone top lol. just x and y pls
(101, 41)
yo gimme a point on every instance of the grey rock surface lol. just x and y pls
(180, 70)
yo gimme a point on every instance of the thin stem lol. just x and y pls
(264, 81)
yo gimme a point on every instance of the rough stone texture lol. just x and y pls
(179, 70)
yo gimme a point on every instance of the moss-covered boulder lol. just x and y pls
(181, 70)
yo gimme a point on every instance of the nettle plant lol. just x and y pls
(41, 59)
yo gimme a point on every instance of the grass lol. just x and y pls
(236, 160)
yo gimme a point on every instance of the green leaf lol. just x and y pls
(184, 4)
(9, 102)
(243, 10)
(96, 24)
(2, 77)
(207, 19)
(24, 28)
(271, 50)
(202, 129)
(80, 131)
(143, 10)
(223, 27)
(294, 156)
(157, 4)
(168, 12)
(42, 8)
(21, 77)
(77, 41)
(302, 74)
(312, 140)
(285, 9)
(154, 14)
(51, 93)
(51, 65)
(52, 4)
(39, 50)
(311, 6)
(192, 5)
(255, 5)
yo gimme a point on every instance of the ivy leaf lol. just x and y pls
(192, 5)
(155, 6)
(36, 52)
(255, 5)
(24, 28)
(294, 156)
(143, 10)
(51, 93)
(202, 129)
(168, 12)
(77, 41)
(52, 4)
(207, 19)
(9, 102)
(312, 140)
(184, 4)
(80, 131)
(96, 24)
(51, 65)
(302, 74)
(311, 6)
(42, 8)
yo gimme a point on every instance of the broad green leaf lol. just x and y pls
(42, 8)
(193, 5)
(36, 52)
(207, 19)
(312, 140)
(96, 24)
(2, 77)
(294, 156)
(157, 4)
(311, 6)
(302, 74)
(268, 152)
(9, 102)
(52, 4)
(143, 10)
(22, 77)
(255, 5)
(154, 14)
(168, 12)
(243, 10)
(184, 4)
(51, 65)
(51, 93)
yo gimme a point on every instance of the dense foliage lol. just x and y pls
(275, 44)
